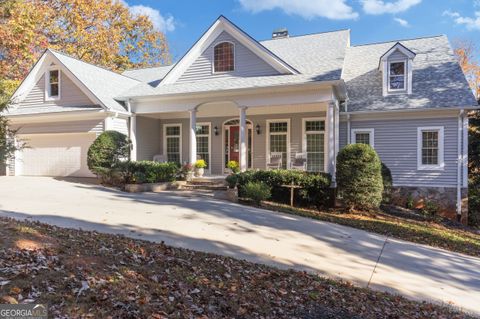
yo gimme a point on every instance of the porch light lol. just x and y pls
(215, 130)
(257, 128)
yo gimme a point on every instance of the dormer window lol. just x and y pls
(223, 57)
(396, 66)
(52, 85)
(397, 76)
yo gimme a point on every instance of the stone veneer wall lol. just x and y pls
(444, 198)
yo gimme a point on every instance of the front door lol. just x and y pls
(234, 143)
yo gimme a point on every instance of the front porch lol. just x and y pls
(243, 129)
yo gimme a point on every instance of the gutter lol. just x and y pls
(459, 163)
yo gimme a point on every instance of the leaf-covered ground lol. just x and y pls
(83, 274)
(402, 225)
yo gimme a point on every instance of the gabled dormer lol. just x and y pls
(224, 51)
(396, 66)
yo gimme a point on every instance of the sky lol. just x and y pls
(184, 21)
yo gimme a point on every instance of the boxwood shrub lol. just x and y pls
(359, 177)
(315, 190)
(148, 172)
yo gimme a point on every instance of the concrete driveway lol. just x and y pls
(285, 241)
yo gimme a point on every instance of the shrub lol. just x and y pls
(257, 191)
(429, 209)
(148, 172)
(200, 163)
(359, 177)
(232, 180)
(474, 205)
(387, 183)
(108, 149)
(233, 166)
(315, 190)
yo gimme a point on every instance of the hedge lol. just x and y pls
(359, 177)
(108, 149)
(315, 191)
(147, 172)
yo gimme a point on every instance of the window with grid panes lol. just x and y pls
(223, 57)
(430, 148)
(203, 140)
(362, 138)
(172, 139)
(315, 145)
(278, 137)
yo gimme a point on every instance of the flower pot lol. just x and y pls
(199, 172)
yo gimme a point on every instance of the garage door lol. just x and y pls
(55, 155)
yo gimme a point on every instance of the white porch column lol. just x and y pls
(330, 127)
(132, 134)
(243, 139)
(193, 136)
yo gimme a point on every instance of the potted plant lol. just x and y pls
(233, 166)
(200, 167)
(186, 172)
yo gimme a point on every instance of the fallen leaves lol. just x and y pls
(92, 275)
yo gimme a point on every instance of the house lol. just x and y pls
(231, 97)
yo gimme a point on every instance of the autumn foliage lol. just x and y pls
(102, 32)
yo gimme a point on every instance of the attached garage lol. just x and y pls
(55, 155)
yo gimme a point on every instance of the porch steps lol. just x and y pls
(206, 184)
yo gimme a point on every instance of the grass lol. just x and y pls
(430, 233)
(81, 274)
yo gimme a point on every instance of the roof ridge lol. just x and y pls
(399, 40)
(149, 67)
(305, 35)
(97, 66)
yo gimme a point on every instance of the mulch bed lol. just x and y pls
(82, 274)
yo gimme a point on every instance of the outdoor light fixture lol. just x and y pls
(215, 130)
(258, 129)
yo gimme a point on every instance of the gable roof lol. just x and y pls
(152, 75)
(220, 25)
(100, 84)
(300, 52)
(438, 80)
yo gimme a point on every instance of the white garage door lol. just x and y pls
(55, 155)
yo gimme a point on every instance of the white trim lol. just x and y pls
(424, 185)
(250, 126)
(213, 57)
(400, 47)
(165, 139)
(267, 137)
(405, 72)
(209, 124)
(441, 150)
(48, 88)
(465, 150)
(304, 138)
(220, 25)
(370, 131)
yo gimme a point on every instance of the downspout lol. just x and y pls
(459, 164)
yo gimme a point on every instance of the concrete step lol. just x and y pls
(208, 180)
(211, 187)
(217, 194)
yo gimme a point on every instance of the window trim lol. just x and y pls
(209, 124)
(48, 96)
(213, 58)
(405, 81)
(165, 140)
(441, 150)
(267, 133)
(370, 131)
(325, 139)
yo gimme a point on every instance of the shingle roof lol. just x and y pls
(103, 83)
(151, 76)
(300, 52)
(438, 80)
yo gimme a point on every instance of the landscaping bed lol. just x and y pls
(402, 225)
(92, 275)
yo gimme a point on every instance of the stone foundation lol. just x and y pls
(443, 198)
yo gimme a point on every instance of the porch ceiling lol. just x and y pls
(229, 109)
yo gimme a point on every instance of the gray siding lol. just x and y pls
(246, 63)
(148, 138)
(120, 125)
(93, 126)
(259, 141)
(396, 144)
(397, 55)
(342, 136)
(70, 95)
